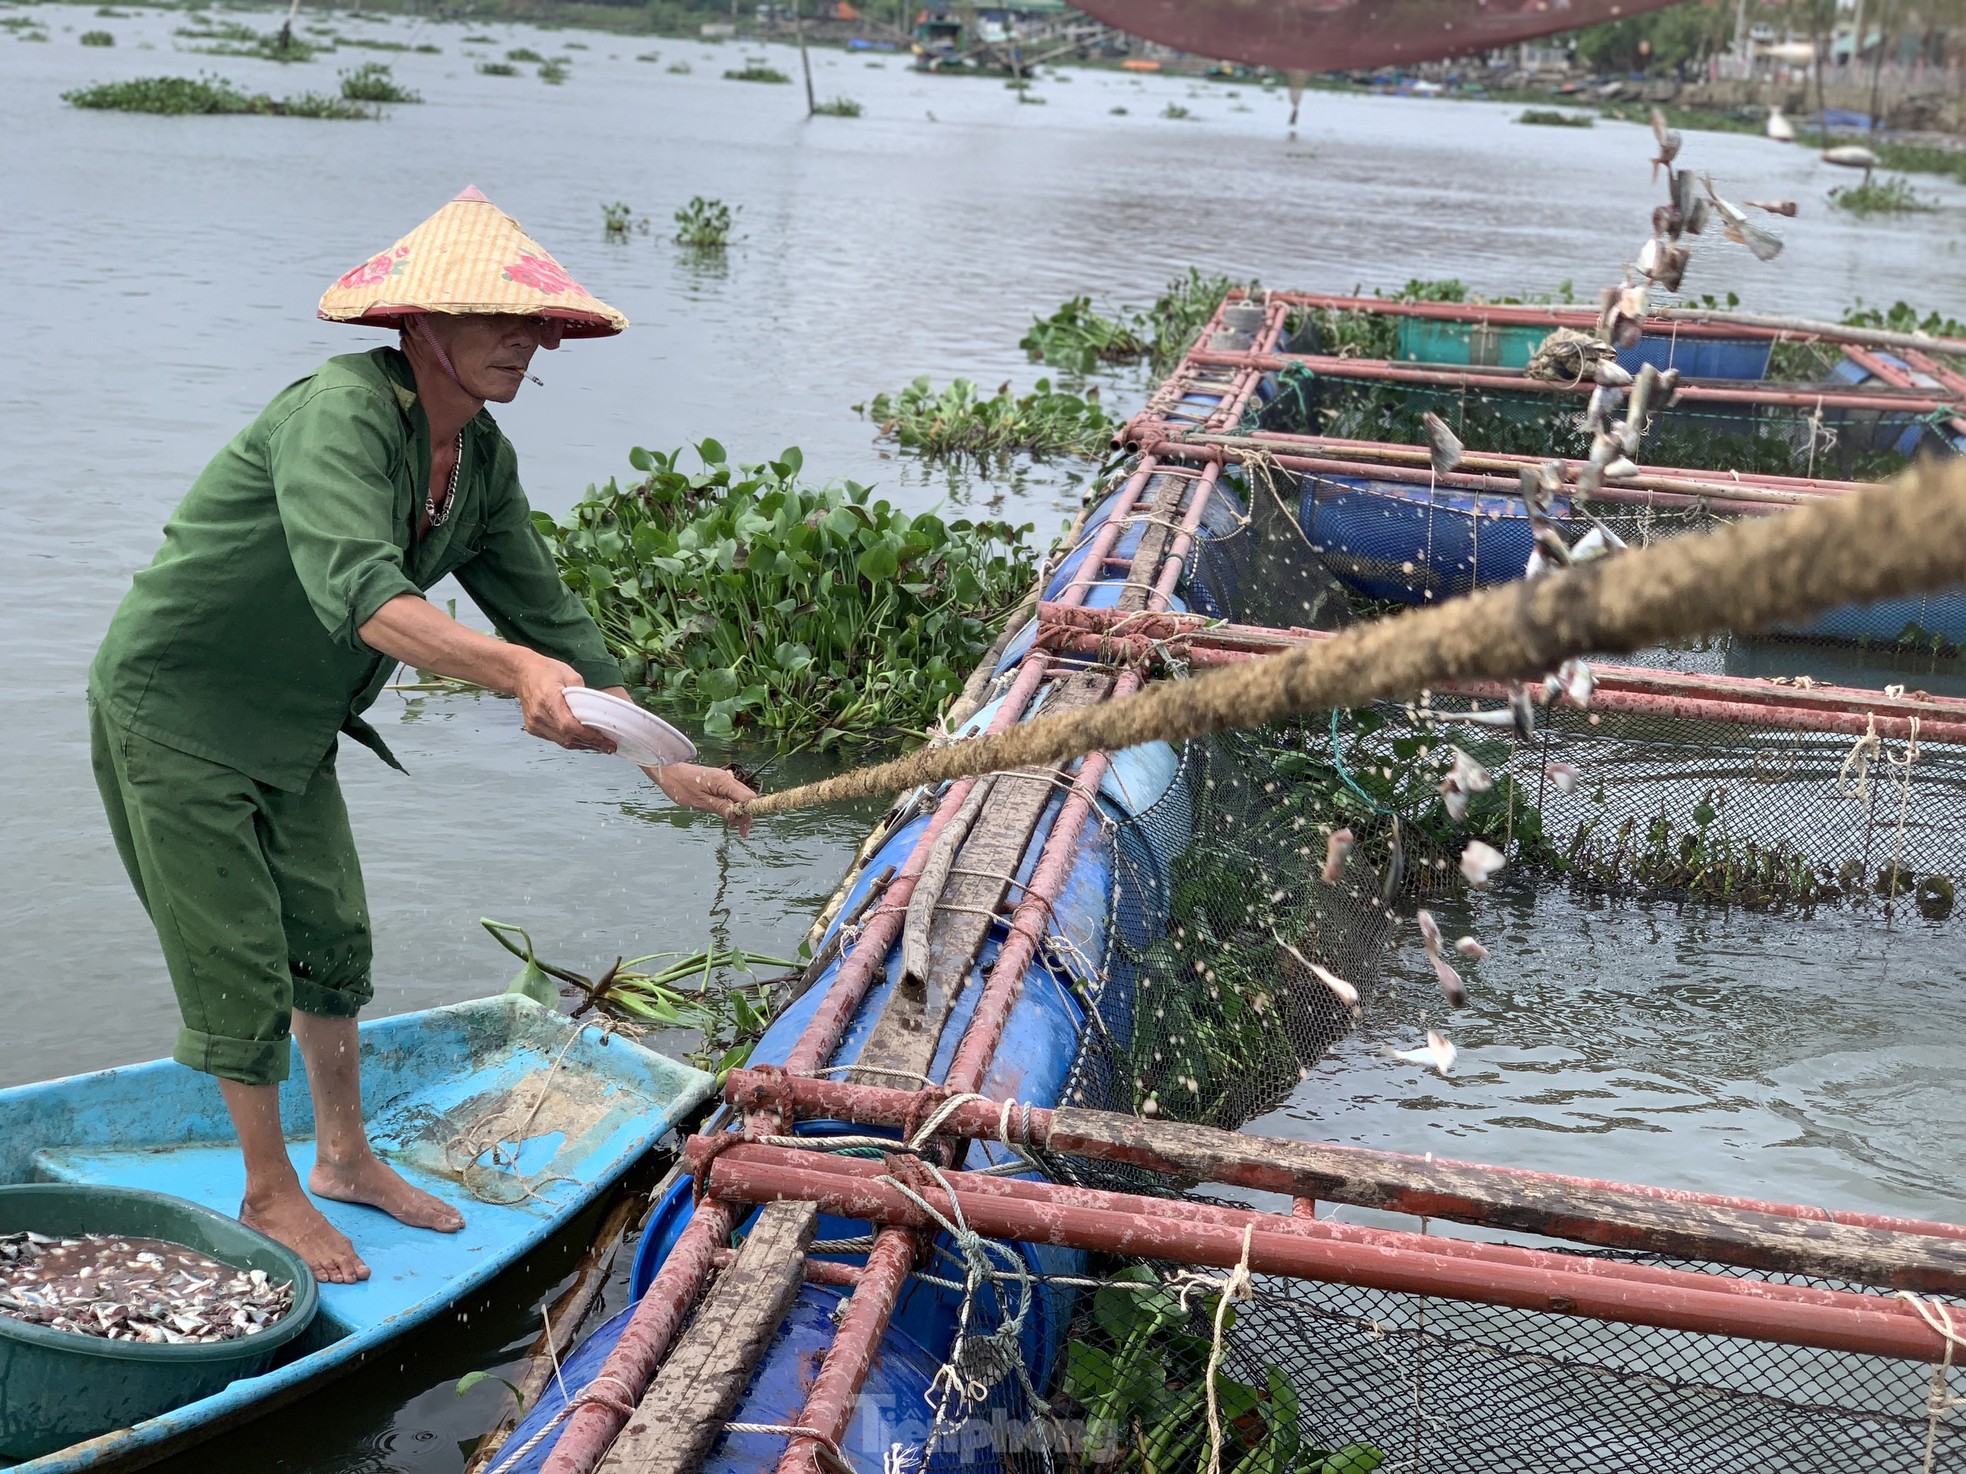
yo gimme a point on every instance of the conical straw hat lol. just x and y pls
(468, 257)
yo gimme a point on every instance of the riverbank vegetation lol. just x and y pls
(185, 96)
(961, 421)
(1549, 117)
(815, 615)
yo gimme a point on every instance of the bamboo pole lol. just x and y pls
(1906, 536)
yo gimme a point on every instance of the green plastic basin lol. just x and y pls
(57, 1388)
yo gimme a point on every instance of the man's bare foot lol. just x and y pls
(368, 1179)
(297, 1223)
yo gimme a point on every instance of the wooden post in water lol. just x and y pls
(805, 58)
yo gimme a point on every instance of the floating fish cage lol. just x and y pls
(981, 1200)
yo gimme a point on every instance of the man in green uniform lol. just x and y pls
(289, 586)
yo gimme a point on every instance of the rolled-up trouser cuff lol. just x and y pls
(326, 1001)
(245, 1061)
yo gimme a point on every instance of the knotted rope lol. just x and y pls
(1899, 538)
(1229, 1288)
(1940, 1402)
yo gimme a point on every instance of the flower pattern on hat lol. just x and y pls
(542, 274)
(377, 269)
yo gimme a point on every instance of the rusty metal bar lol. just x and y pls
(829, 1406)
(871, 1105)
(659, 1314)
(1135, 1227)
(1661, 322)
(1731, 392)
(1136, 637)
(1303, 1220)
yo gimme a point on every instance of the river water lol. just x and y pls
(162, 288)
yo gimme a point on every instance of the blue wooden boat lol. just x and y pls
(427, 1078)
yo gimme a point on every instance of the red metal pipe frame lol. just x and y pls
(1691, 391)
(1526, 314)
(1136, 1227)
(588, 1434)
(1178, 441)
(875, 1105)
(1735, 699)
(1761, 501)
(829, 1405)
(1307, 1225)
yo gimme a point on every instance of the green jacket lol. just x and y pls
(238, 643)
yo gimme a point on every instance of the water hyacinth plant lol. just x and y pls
(98, 38)
(705, 225)
(1077, 338)
(838, 107)
(183, 96)
(819, 615)
(1893, 196)
(694, 991)
(962, 421)
(498, 69)
(756, 71)
(373, 82)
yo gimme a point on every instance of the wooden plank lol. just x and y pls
(1163, 511)
(1462, 1193)
(696, 1389)
(909, 1029)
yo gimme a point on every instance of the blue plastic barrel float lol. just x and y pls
(1116, 890)
(1510, 345)
(1398, 540)
(1906, 433)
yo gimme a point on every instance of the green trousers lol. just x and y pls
(256, 894)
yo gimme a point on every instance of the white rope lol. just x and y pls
(1229, 1288)
(1940, 1401)
(623, 1404)
(1904, 804)
(1863, 752)
(828, 1450)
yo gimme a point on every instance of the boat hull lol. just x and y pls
(428, 1077)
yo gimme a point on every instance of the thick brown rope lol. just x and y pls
(1903, 537)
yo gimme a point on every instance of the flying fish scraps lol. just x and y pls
(1480, 861)
(1773, 207)
(1736, 226)
(1562, 776)
(1450, 981)
(1469, 948)
(1342, 990)
(1337, 849)
(1668, 140)
(1438, 1053)
(134, 1289)
(1852, 156)
(1444, 447)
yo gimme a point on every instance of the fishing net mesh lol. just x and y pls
(1208, 1005)
(1342, 1379)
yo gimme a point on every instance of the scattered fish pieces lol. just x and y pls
(1337, 849)
(1736, 226)
(1599, 542)
(1438, 1053)
(1563, 776)
(1668, 140)
(1852, 156)
(1451, 986)
(1479, 862)
(145, 1290)
(1469, 948)
(1773, 207)
(1443, 445)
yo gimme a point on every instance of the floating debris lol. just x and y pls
(134, 1289)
